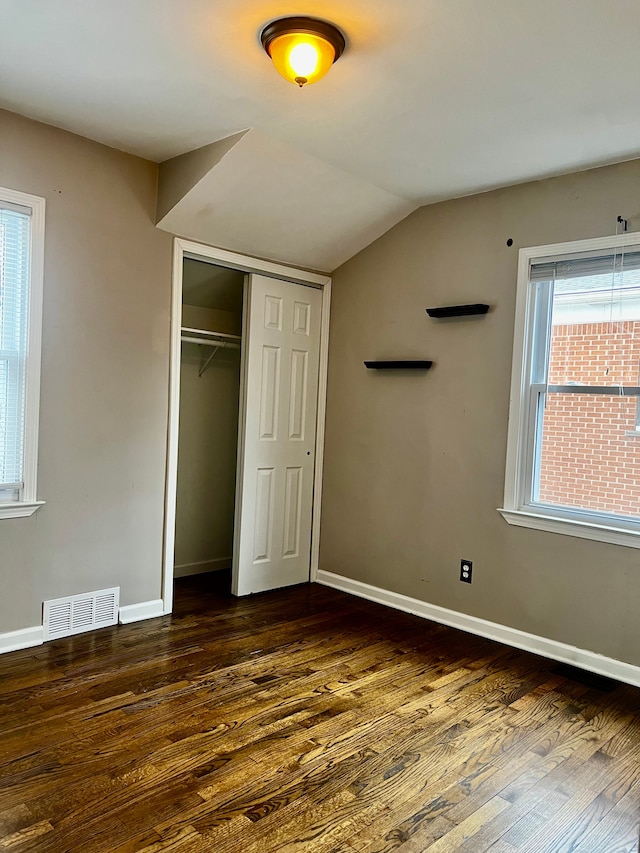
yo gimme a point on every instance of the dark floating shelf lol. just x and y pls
(458, 310)
(398, 365)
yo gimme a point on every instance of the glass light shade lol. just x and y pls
(302, 58)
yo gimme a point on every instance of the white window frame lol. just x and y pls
(27, 502)
(584, 524)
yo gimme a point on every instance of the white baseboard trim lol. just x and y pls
(138, 612)
(553, 649)
(25, 638)
(201, 567)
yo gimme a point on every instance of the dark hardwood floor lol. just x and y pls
(308, 720)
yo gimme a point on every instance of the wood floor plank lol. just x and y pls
(619, 830)
(18, 839)
(308, 721)
(452, 841)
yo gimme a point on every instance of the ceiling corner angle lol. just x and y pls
(258, 195)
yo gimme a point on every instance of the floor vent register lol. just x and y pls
(63, 617)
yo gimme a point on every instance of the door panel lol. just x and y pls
(262, 523)
(292, 512)
(275, 494)
(269, 393)
(298, 394)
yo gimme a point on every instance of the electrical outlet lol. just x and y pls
(466, 568)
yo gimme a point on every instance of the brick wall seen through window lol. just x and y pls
(590, 452)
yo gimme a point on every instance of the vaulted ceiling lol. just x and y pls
(432, 99)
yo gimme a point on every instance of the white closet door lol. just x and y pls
(278, 431)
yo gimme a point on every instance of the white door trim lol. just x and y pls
(187, 248)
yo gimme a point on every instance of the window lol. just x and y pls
(573, 453)
(21, 263)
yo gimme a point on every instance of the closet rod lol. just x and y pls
(209, 334)
(205, 343)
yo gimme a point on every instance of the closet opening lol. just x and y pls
(247, 395)
(210, 349)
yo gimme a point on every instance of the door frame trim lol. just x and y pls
(189, 249)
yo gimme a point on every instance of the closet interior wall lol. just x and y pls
(208, 430)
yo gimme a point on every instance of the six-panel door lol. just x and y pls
(278, 430)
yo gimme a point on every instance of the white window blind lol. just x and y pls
(612, 265)
(15, 252)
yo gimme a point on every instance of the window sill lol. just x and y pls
(19, 509)
(570, 527)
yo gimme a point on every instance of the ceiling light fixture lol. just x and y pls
(302, 49)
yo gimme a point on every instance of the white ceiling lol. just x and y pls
(260, 196)
(432, 99)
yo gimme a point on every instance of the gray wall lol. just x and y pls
(414, 465)
(103, 415)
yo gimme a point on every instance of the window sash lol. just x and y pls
(541, 286)
(517, 509)
(22, 219)
(15, 280)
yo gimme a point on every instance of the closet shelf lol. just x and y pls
(398, 365)
(458, 310)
